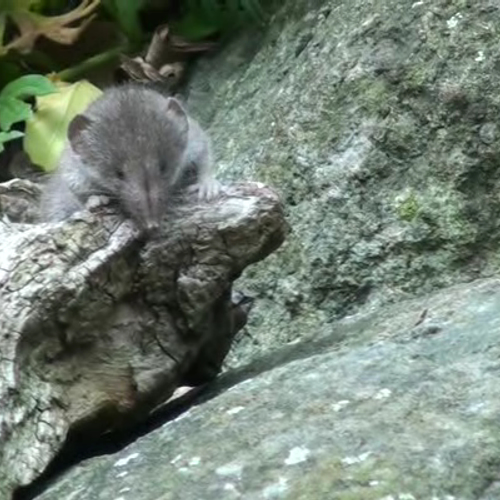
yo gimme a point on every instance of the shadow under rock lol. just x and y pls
(79, 448)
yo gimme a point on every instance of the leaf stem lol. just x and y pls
(76, 72)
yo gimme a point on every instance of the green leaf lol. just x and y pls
(126, 14)
(110, 6)
(195, 28)
(12, 111)
(27, 86)
(9, 136)
(202, 18)
(46, 131)
(49, 6)
(3, 21)
(16, 5)
(210, 10)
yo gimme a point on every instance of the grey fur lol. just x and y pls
(134, 146)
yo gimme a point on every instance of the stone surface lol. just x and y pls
(402, 404)
(378, 123)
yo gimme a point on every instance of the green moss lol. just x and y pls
(371, 479)
(418, 76)
(409, 208)
(373, 94)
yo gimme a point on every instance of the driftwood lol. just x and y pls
(99, 325)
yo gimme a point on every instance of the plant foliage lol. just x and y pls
(24, 22)
(32, 25)
(126, 15)
(204, 18)
(46, 130)
(13, 109)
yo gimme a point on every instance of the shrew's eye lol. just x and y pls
(119, 174)
(163, 166)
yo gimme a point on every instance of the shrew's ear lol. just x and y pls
(77, 125)
(177, 114)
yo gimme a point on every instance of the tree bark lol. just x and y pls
(99, 325)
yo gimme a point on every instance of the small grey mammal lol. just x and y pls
(136, 147)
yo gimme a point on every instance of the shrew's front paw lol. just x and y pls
(207, 189)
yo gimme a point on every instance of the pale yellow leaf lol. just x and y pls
(47, 129)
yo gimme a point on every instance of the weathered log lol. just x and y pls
(99, 325)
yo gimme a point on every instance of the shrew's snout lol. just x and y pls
(146, 220)
(143, 198)
(152, 226)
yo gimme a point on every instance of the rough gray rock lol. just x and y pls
(403, 404)
(377, 121)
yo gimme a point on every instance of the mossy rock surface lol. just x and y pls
(400, 405)
(378, 123)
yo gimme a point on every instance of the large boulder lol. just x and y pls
(377, 122)
(399, 405)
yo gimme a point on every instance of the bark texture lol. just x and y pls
(98, 325)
